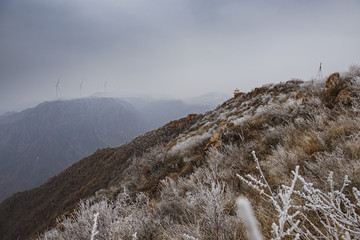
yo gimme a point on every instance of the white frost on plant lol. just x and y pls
(291, 102)
(247, 216)
(188, 237)
(337, 216)
(240, 120)
(223, 116)
(94, 232)
(184, 144)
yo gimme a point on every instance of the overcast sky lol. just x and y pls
(176, 48)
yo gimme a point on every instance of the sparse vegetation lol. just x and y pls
(178, 189)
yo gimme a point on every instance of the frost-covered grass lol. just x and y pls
(303, 183)
(306, 212)
(124, 218)
(240, 120)
(203, 207)
(183, 145)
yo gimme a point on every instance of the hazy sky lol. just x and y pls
(176, 48)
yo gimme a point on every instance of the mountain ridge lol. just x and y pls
(41, 141)
(123, 153)
(186, 171)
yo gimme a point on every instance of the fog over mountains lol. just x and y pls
(39, 142)
(292, 149)
(153, 120)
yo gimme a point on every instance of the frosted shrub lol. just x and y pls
(334, 215)
(144, 163)
(337, 161)
(240, 120)
(80, 225)
(126, 218)
(353, 72)
(281, 161)
(199, 207)
(213, 202)
(183, 145)
(134, 218)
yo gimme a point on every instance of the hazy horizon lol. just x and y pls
(221, 97)
(179, 49)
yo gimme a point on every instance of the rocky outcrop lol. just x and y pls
(333, 79)
(257, 91)
(337, 91)
(238, 94)
(215, 140)
(344, 98)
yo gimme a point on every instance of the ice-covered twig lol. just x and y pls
(261, 173)
(188, 237)
(336, 216)
(94, 232)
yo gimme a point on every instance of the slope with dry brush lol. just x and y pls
(184, 186)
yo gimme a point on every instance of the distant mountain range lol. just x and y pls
(39, 142)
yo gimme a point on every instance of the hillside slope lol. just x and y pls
(29, 212)
(39, 142)
(181, 181)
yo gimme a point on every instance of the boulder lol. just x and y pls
(344, 97)
(333, 79)
(239, 94)
(257, 91)
(215, 140)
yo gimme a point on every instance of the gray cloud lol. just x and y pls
(177, 48)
